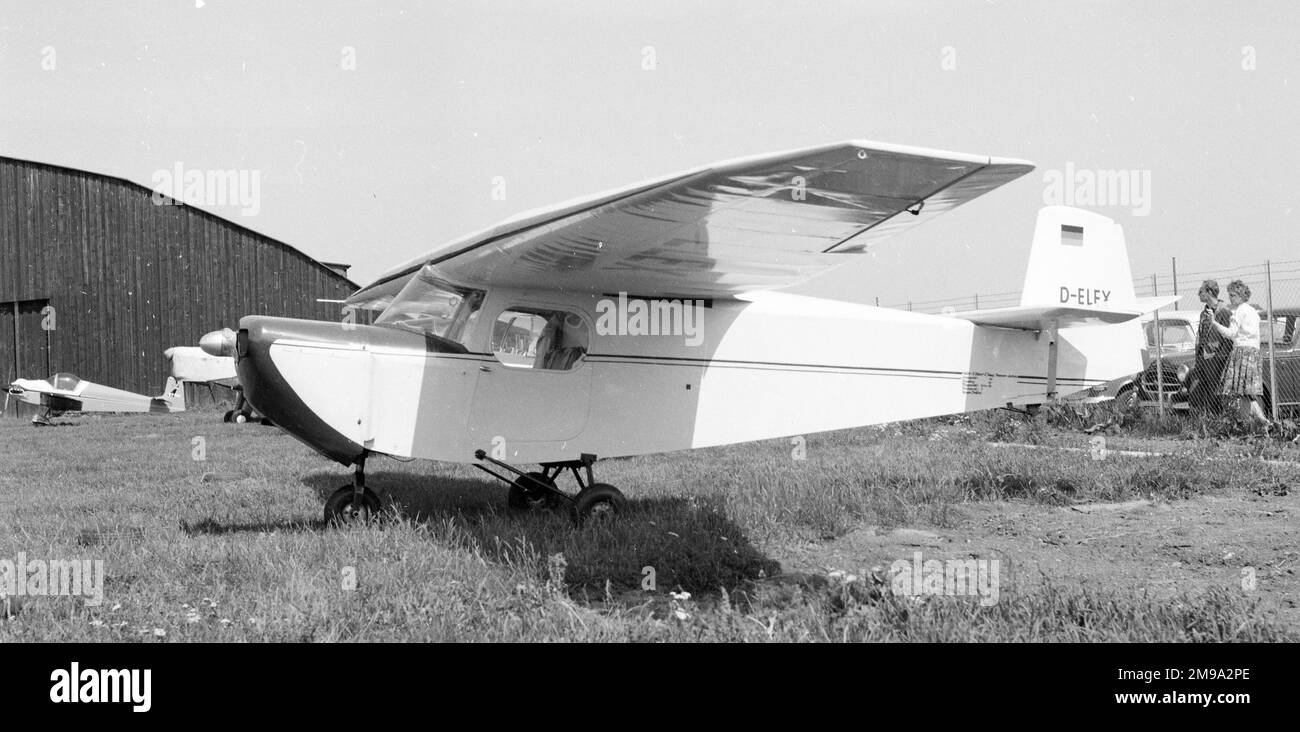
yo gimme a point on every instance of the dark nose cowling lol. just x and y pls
(268, 391)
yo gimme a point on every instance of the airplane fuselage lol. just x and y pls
(770, 366)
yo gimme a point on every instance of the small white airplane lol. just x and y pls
(644, 321)
(64, 392)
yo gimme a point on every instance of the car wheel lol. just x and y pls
(1127, 398)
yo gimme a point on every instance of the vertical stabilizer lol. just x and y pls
(173, 395)
(1078, 260)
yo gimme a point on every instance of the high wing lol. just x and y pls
(757, 223)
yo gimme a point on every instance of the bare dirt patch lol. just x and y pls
(1159, 548)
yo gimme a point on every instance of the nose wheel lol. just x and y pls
(343, 508)
(243, 411)
(530, 491)
(352, 504)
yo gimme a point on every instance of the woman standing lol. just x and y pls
(1241, 377)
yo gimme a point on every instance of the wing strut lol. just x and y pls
(1052, 327)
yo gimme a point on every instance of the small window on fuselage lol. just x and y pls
(549, 340)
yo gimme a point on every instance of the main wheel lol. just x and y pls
(339, 509)
(239, 418)
(228, 416)
(599, 502)
(524, 496)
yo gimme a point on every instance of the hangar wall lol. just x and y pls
(97, 280)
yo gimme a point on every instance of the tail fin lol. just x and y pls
(1078, 275)
(174, 395)
(1078, 261)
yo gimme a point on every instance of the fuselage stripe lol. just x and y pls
(782, 366)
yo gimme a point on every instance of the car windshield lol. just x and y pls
(1175, 335)
(432, 306)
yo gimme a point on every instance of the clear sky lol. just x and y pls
(380, 130)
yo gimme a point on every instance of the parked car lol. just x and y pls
(1174, 370)
(1177, 332)
(1177, 336)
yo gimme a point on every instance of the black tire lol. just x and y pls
(228, 416)
(1127, 398)
(598, 502)
(340, 511)
(526, 497)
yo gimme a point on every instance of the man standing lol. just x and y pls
(1212, 350)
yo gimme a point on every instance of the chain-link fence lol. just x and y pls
(1274, 288)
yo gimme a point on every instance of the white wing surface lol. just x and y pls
(758, 223)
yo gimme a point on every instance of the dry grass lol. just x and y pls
(248, 559)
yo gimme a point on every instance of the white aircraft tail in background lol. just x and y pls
(173, 396)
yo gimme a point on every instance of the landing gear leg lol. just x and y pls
(593, 501)
(353, 503)
(241, 413)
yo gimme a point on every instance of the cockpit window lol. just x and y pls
(64, 381)
(430, 305)
(550, 340)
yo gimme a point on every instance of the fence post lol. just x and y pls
(1173, 263)
(1160, 355)
(1272, 362)
(977, 301)
(1160, 366)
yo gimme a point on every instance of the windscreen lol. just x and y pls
(432, 306)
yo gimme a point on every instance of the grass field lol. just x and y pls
(744, 543)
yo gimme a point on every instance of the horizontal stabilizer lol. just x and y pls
(1038, 318)
(1147, 304)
